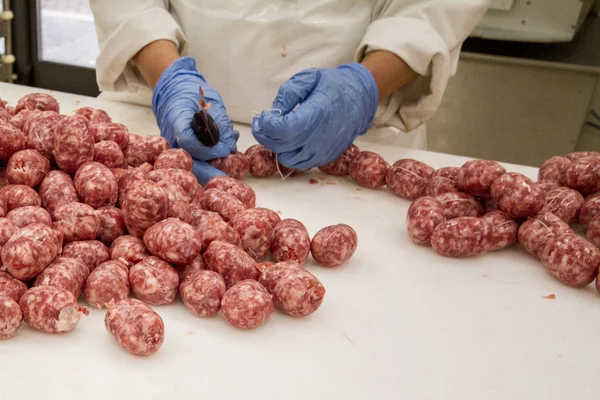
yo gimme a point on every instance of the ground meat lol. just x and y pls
(11, 287)
(27, 167)
(544, 186)
(154, 281)
(110, 155)
(581, 154)
(185, 179)
(40, 132)
(290, 241)
(3, 206)
(66, 273)
(457, 204)
(340, 167)
(185, 271)
(93, 115)
(368, 169)
(3, 180)
(19, 120)
(462, 237)
(211, 227)
(51, 309)
(108, 282)
(27, 215)
(424, 214)
(30, 250)
(262, 161)
(247, 305)
(7, 229)
(444, 180)
(564, 203)
(178, 201)
(144, 205)
(226, 205)
(240, 190)
(174, 241)
(129, 248)
(409, 178)
(118, 173)
(200, 216)
(235, 165)
(135, 326)
(553, 168)
(76, 221)
(37, 101)
(73, 144)
(231, 262)
(477, 176)
(504, 230)
(590, 208)
(111, 132)
(334, 245)
(129, 180)
(20, 196)
(11, 317)
(583, 175)
(145, 150)
(571, 259)
(255, 227)
(593, 230)
(535, 232)
(96, 185)
(517, 195)
(90, 252)
(56, 190)
(11, 140)
(174, 158)
(145, 167)
(202, 292)
(112, 224)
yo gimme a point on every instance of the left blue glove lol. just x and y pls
(322, 112)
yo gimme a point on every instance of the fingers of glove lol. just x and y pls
(205, 172)
(296, 90)
(188, 141)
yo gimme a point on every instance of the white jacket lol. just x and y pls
(247, 48)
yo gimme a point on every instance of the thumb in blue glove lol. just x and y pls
(322, 112)
(204, 172)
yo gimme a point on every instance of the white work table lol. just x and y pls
(398, 321)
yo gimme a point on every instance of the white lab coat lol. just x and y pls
(247, 48)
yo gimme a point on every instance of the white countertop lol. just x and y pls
(398, 321)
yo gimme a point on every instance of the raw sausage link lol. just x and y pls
(129, 180)
(27, 167)
(444, 180)
(262, 161)
(20, 196)
(145, 150)
(334, 245)
(571, 259)
(40, 132)
(144, 205)
(583, 175)
(235, 165)
(51, 309)
(27, 215)
(593, 230)
(582, 154)
(424, 214)
(554, 169)
(37, 101)
(73, 144)
(185, 179)
(517, 195)
(11, 287)
(476, 177)
(504, 230)
(76, 221)
(214, 228)
(7, 229)
(57, 189)
(178, 201)
(93, 115)
(30, 250)
(112, 224)
(271, 273)
(409, 178)
(462, 237)
(226, 205)
(457, 204)
(129, 248)
(368, 169)
(137, 328)
(535, 232)
(590, 208)
(565, 203)
(240, 190)
(290, 241)
(65, 273)
(231, 262)
(110, 155)
(118, 173)
(11, 317)
(12, 139)
(200, 216)
(154, 281)
(255, 227)
(3, 205)
(174, 241)
(111, 132)
(19, 120)
(185, 271)
(90, 252)
(108, 282)
(174, 158)
(202, 292)
(341, 166)
(145, 167)
(544, 186)
(3, 180)
(247, 305)
(96, 185)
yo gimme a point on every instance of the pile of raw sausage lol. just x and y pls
(89, 209)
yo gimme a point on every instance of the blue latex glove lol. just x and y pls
(175, 101)
(322, 112)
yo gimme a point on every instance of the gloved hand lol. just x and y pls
(334, 106)
(175, 101)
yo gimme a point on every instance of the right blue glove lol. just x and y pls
(175, 101)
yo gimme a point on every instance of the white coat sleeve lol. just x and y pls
(427, 35)
(123, 28)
